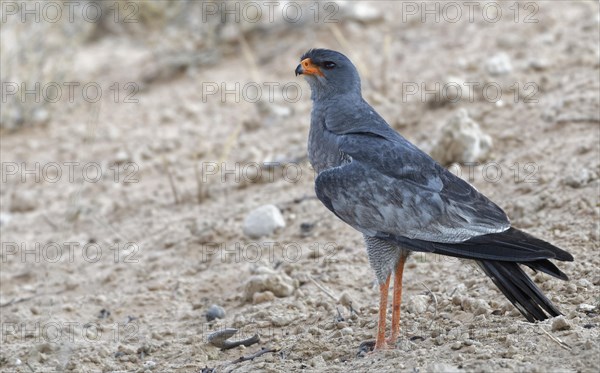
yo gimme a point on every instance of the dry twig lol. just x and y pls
(435, 304)
(171, 181)
(557, 340)
(322, 288)
(202, 187)
(254, 355)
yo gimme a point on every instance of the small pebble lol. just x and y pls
(103, 314)
(345, 300)
(317, 362)
(560, 323)
(440, 340)
(457, 300)
(461, 140)
(446, 368)
(360, 12)
(149, 364)
(418, 304)
(121, 157)
(539, 64)
(579, 178)
(584, 283)
(480, 307)
(583, 307)
(511, 351)
(347, 331)
(4, 219)
(280, 285)
(263, 221)
(262, 297)
(306, 228)
(215, 312)
(571, 288)
(498, 64)
(40, 115)
(341, 325)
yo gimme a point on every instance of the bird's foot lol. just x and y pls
(392, 342)
(383, 346)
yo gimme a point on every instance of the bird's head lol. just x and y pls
(328, 73)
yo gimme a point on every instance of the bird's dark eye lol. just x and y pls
(329, 65)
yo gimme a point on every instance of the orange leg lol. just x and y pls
(397, 301)
(383, 298)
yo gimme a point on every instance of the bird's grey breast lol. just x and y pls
(323, 150)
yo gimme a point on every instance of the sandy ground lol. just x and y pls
(123, 276)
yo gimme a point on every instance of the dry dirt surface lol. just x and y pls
(111, 263)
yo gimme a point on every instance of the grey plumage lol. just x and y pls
(375, 180)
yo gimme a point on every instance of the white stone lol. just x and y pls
(586, 307)
(317, 362)
(280, 285)
(263, 221)
(480, 307)
(4, 219)
(461, 141)
(347, 331)
(584, 283)
(262, 297)
(560, 323)
(578, 178)
(366, 13)
(40, 115)
(498, 64)
(418, 304)
(149, 364)
(455, 90)
(121, 157)
(445, 368)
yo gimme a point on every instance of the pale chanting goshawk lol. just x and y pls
(402, 200)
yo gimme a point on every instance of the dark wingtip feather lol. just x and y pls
(511, 245)
(547, 267)
(520, 290)
(523, 238)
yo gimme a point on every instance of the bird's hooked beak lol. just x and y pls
(307, 67)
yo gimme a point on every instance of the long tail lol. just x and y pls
(501, 255)
(522, 292)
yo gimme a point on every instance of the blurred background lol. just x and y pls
(154, 165)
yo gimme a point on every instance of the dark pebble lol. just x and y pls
(215, 312)
(365, 348)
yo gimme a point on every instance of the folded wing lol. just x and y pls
(397, 190)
